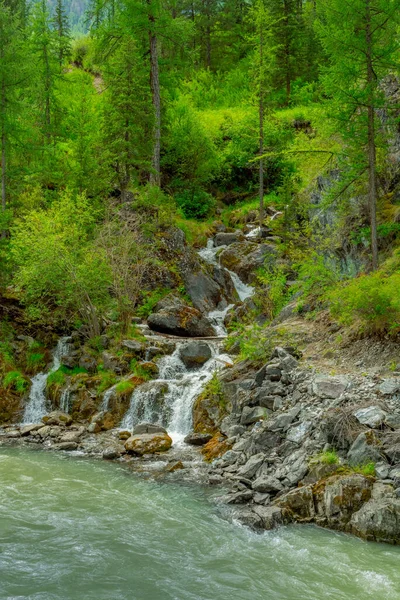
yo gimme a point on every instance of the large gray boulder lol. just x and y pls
(373, 416)
(365, 449)
(379, 519)
(325, 386)
(195, 354)
(226, 239)
(181, 321)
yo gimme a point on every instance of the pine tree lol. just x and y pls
(61, 25)
(360, 38)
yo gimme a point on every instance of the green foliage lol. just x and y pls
(329, 457)
(195, 204)
(368, 469)
(275, 293)
(370, 303)
(215, 390)
(256, 342)
(124, 387)
(139, 371)
(316, 276)
(107, 380)
(56, 379)
(15, 380)
(150, 299)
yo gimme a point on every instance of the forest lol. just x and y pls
(198, 116)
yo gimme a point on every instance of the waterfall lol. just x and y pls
(108, 394)
(36, 407)
(65, 400)
(168, 401)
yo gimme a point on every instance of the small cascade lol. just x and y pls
(108, 394)
(168, 401)
(36, 407)
(217, 318)
(244, 291)
(65, 400)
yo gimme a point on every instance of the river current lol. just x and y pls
(76, 529)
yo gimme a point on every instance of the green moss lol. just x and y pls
(15, 380)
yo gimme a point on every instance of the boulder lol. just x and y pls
(181, 321)
(271, 516)
(251, 415)
(298, 433)
(244, 258)
(89, 363)
(339, 496)
(325, 386)
(195, 354)
(114, 363)
(29, 429)
(267, 484)
(226, 239)
(298, 504)
(65, 446)
(148, 428)
(57, 417)
(148, 443)
(373, 416)
(205, 293)
(378, 521)
(389, 387)
(134, 347)
(249, 469)
(365, 449)
(198, 439)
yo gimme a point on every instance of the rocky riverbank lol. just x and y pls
(295, 446)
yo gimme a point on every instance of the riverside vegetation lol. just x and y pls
(228, 172)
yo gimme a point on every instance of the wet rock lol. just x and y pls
(251, 415)
(181, 321)
(65, 446)
(148, 428)
(244, 258)
(72, 436)
(379, 519)
(57, 417)
(226, 239)
(195, 354)
(29, 429)
(238, 498)
(365, 449)
(298, 504)
(325, 386)
(13, 433)
(271, 516)
(44, 432)
(148, 443)
(95, 428)
(373, 416)
(124, 435)
(205, 293)
(340, 496)
(111, 453)
(175, 465)
(198, 439)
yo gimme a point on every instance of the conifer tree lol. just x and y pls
(360, 38)
(61, 25)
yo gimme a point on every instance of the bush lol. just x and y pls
(195, 204)
(371, 303)
(316, 276)
(15, 380)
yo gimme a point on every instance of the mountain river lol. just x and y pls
(75, 529)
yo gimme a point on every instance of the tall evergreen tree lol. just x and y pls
(360, 38)
(61, 25)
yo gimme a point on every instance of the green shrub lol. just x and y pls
(329, 457)
(15, 380)
(124, 387)
(368, 469)
(107, 380)
(195, 204)
(371, 303)
(316, 276)
(149, 301)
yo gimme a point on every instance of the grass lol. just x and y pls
(329, 457)
(368, 469)
(124, 387)
(15, 380)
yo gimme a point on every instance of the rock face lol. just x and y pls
(379, 519)
(195, 354)
(181, 321)
(244, 258)
(148, 443)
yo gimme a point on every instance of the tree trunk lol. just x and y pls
(371, 150)
(261, 130)
(155, 175)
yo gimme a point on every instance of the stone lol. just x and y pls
(13, 434)
(29, 429)
(89, 363)
(44, 432)
(325, 386)
(378, 520)
(382, 470)
(365, 449)
(298, 504)
(124, 435)
(251, 415)
(207, 292)
(259, 498)
(134, 347)
(244, 258)
(65, 446)
(271, 516)
(114, 363)
(111, 453)
(226, 239)
(57, 417)
(267, 484)
(148, 443)
(389, 387)
(148, 428)
(273, 373)
(175, 465)
(195, 354)
(373, 416)
(198, 439)
(342, 495)
(181, 321)
(95, 428)
(251, 467)
(298, 433)
(71, 436)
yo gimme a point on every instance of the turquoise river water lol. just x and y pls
(74, 529)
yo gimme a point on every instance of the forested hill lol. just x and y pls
(76, 11)
(167, 124)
